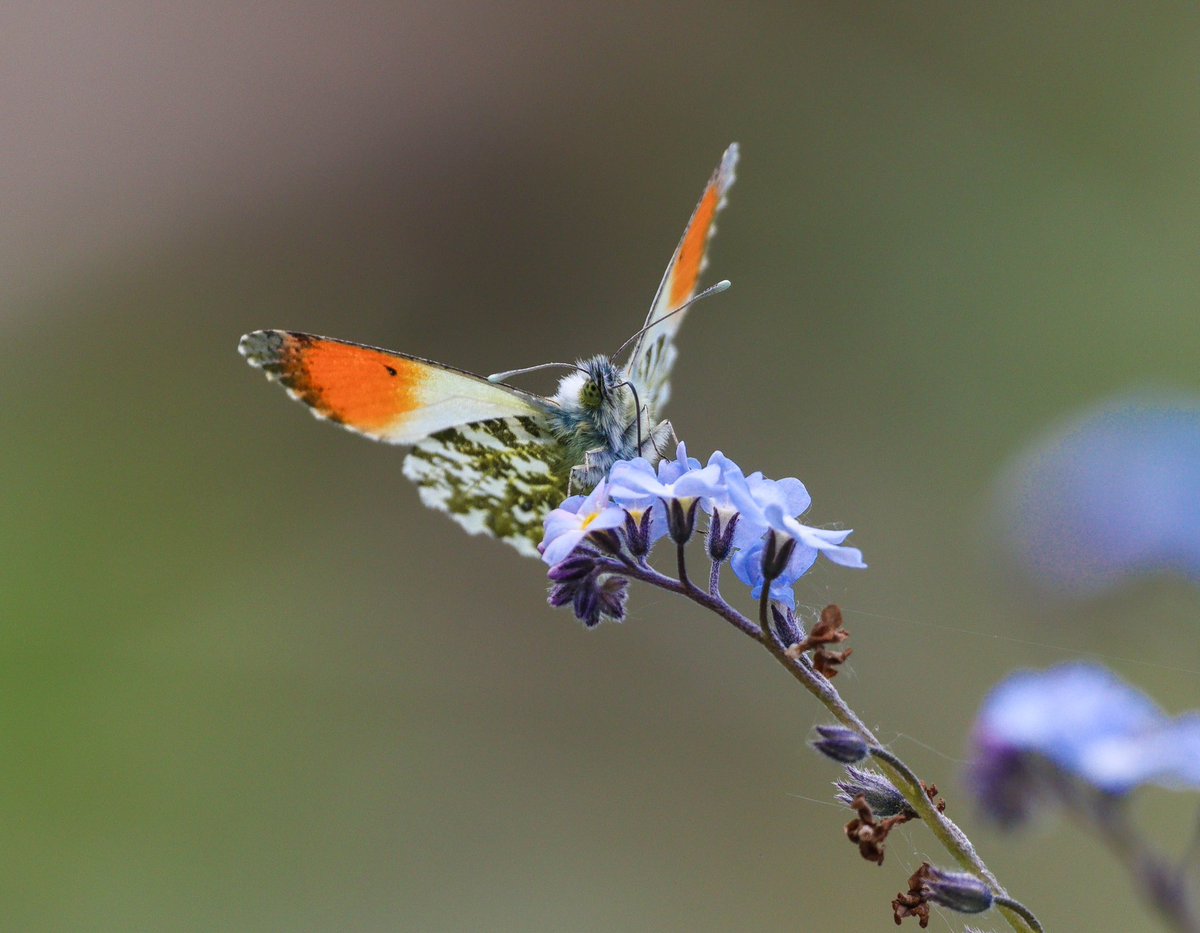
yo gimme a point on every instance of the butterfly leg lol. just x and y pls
(661, 442)
(585, 476)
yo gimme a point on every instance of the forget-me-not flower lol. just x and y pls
(771, 504)
(1082, 722)
(747, 564)
(575, 519)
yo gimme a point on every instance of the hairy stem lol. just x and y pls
(1020, 910)
(953, 839)
(681, 552)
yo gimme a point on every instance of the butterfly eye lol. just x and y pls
(590, 395)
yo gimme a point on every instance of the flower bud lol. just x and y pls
(637, 532)
(721, 528)
(576, 567)
(776, 554)
(681, 518)
(880, 794)
(841, 744)
(957, 891)
(786, 628)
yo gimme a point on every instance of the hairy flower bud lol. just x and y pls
(785, 626)
(721, 529)
(638, 526)
(841, 744)
(880, 794)
(956, 890)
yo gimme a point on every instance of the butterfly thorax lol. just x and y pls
(597, 416)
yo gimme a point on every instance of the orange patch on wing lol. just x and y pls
(359, 387)
(691, 252)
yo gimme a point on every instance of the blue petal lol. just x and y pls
(560, 548)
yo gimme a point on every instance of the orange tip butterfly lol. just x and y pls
(494, 457)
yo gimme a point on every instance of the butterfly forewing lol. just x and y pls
(654, 353)
(387, 396)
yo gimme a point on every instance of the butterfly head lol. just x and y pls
(601, 380)
(596, 410)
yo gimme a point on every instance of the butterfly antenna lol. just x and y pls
(711, 290)
(500, 377)
(637, 409)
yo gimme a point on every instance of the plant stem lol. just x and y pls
(1021, 910)
(953, 839)
(681, 551)
(1163, 887)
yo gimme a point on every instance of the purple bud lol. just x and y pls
(956, 891)
(587, 605)
(720, 535)
(841, 744)
(561, 594)
(612, 593)
(637, 533)
(607, 540)
(785, 626)
(575, 567)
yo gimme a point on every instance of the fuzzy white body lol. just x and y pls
(598, 420)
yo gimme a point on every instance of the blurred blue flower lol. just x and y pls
(1077, 721)
(575, 519)
(1112, 494)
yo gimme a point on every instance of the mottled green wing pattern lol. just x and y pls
(498, 477)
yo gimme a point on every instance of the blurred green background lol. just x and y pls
(250, 684)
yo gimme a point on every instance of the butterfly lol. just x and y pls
(493, 456)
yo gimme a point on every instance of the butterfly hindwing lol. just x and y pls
(499, 477)
(654, 353)
(387, 396)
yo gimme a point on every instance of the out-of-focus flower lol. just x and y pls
(1075, 722)
(1112, 494)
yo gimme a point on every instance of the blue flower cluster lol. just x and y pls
(752, 522)
(1039, 730)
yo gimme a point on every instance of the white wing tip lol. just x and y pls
(727, 171)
